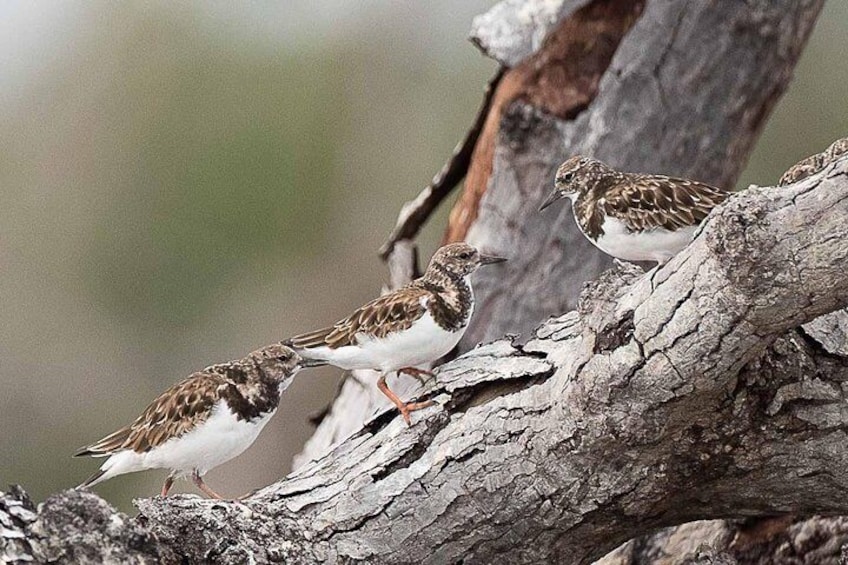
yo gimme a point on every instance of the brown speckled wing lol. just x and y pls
(390, 313)
(177, 411)
(814, 163)
(648, 202)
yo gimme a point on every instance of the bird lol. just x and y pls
(201, 422)
(632, 216)
(412, 326)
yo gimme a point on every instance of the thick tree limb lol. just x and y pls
(645, 408)
(685, 93)
(702, 399)
(779, 540)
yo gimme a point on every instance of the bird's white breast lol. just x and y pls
(658, 244)
(422, 343)
(218, 439)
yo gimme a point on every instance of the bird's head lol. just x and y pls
(460, 259)
(575, 177)
(281, 363)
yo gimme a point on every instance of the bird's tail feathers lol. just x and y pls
(126, 461)
(93, 479)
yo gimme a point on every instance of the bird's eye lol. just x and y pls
(465, 255)
(565, 178)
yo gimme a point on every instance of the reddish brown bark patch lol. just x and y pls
(560, 79)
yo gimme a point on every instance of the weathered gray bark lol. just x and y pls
(713, 389)
(693, 393)
(780, 540)
(685, 92)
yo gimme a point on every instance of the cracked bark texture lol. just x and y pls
(686, 92)
(677, 87)
(699, 391)
(713, 389)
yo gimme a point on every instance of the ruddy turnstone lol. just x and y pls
(412, 326)
(201, 422)
(631, 216)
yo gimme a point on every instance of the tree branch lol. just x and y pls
(697, 398)
(655, 98)
(415, 213)
(685, 92)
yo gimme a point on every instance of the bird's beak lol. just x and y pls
(307, 363)
(552, 197)
(490, 259)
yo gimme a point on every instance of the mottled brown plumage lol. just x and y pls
(392, 312)
(443, 291)
(814, 163)
(409, 327)
(642, 203)
(175, 412)
(203, 421)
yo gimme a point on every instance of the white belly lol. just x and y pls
(658, 245)
(422, 343)
(220, 438)
(217, 440)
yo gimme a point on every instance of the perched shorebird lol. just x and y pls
(632, 216)
(412, 326)
(201, 422)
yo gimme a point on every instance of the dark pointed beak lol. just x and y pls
(552, 197)
(307, 363)
(490, 259)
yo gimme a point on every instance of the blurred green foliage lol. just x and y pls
(251, 159)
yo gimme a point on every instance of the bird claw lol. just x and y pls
(405, 409)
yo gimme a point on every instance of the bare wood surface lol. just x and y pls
(651, 96)
(686, 93)
(711, 397)
(643, 409)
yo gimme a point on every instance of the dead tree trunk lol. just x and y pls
(714, 391)
(672, 87)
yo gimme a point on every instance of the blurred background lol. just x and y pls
(183, 183)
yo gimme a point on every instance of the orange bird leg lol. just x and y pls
(403, 407)
(418, 374)
(204, 487)
(167, 486)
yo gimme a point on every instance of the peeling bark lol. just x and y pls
(685, 93)
(560, 79)
(682, 394)
(678, 96)
(709, 390)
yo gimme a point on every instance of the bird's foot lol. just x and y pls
(403, 407)
(169, 482)
(406, 408)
